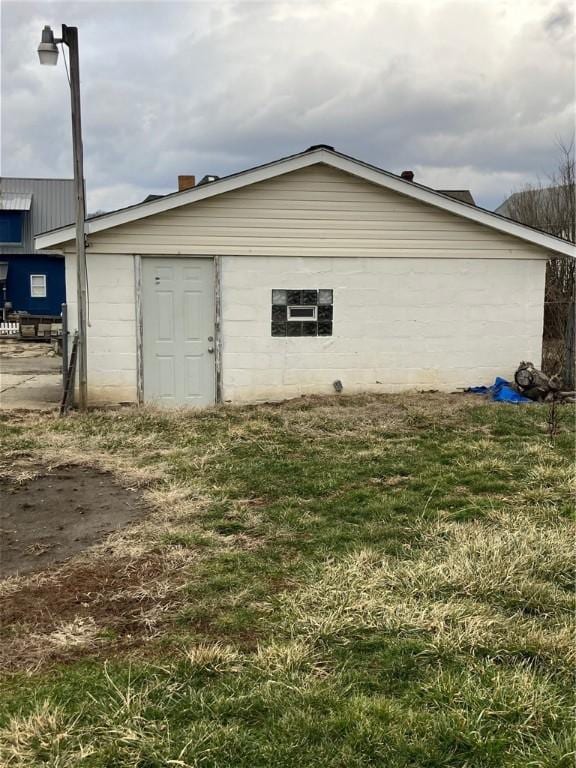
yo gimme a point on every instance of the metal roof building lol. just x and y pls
(50, 203)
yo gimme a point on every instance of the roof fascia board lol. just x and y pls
(297, 162)
(57, 237)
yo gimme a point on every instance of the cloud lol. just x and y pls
(560, 21)
(469, 93)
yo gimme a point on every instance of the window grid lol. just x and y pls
(289, 308)
(38, 286)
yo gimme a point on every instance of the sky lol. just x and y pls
(468, 94)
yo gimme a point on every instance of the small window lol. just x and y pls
(38, 286)
(307, 312)
(302, 313)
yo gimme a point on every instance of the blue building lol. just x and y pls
(32, 282)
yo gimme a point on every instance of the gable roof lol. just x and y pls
(459, 194)
(313, 156)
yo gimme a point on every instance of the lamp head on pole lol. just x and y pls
(48, 50)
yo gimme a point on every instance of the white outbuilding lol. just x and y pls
(314, 269)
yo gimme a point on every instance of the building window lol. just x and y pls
(11, 227)
(302, 312)
(38, 286)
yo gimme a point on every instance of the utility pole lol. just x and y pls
(70, 38)
(48, 53)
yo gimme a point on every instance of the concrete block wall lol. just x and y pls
(399, 324)
(112, 358)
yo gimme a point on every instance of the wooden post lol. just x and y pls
(64, 344)
(68, 392)
(570, 344)
(70, 38)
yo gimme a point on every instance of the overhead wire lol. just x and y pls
(65, 63)
(85, 263)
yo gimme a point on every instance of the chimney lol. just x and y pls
(186, 182)
(407, 175)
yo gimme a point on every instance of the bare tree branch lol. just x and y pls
(551, 207)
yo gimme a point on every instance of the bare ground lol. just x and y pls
(70, 612)
(46, 519)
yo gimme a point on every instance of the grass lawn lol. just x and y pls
(330, 582)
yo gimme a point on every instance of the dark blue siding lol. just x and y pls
(10, 226)
(18, 283)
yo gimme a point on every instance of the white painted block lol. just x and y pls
(398, 324)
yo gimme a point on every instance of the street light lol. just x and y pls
(48, 50)
(48, 55)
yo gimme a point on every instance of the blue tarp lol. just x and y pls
(501, 392)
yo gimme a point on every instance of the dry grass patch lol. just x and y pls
(81, 608)
(216, 657)
(46, 734)
(496, 586)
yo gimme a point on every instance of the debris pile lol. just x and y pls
(535, 385)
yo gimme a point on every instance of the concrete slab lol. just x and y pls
(30, 376)
(28, 366)
(30, 392)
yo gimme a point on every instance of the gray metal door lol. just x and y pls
(178, 331)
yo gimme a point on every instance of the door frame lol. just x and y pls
(138, 300)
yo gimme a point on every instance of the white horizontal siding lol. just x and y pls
(317, 211)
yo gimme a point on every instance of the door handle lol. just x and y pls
(211, 350)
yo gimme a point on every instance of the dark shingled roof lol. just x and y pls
(464, 195)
